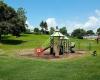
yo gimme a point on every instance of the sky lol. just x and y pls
(70, 13)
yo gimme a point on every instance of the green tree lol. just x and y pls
(51, 30)
(98, 31)
(79, 33)
(44, 27)
(90, 32)
(21, 18)
(36, 30)
(4, 26)
(10, 21)
(63, 30)
(6, 14)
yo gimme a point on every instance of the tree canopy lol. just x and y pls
(79, 33)
(98, 31)
(63, 30)
(51, 30)
(11, 21)
(36, 30)
(90, 32)
(44, 27)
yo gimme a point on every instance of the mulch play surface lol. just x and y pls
(30, 53)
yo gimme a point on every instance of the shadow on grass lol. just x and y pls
(12, 42)
(5, 37)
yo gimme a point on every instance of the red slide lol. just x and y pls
(39, 51)
(45, 49)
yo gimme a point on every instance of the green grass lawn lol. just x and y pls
(25, 41)
(11, 44)
(87, 68)
(17, 68)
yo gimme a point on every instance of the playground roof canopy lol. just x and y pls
(65, 37)
(57, 34)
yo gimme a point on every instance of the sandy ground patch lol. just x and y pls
(30, 53)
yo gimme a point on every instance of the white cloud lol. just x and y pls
(29, 25)
(92, 23)
(72, 26)
(51, 22)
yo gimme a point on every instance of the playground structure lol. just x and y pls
(59, 44)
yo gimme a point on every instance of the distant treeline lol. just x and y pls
(78, 33)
